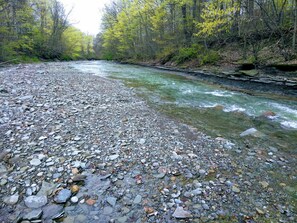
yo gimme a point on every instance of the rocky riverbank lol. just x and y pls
(76, 147)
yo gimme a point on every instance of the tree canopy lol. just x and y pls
(40, 29)
(162, 29)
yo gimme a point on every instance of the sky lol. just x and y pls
(86, 14)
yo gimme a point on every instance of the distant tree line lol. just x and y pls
(184, 29)
(40, 29)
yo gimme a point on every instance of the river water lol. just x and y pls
(211, 108)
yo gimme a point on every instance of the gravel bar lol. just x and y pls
(75, 147)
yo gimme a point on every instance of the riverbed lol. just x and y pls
(81, 142)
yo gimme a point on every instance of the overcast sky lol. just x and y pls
(86, 14)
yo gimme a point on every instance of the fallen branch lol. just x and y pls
(5, 62)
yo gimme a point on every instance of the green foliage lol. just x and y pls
(185, 54)
(217, 16)
(210, 57)
(196, 52)
(31, 29)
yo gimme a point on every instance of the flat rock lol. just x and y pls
(33, 215)
(63, 196)
(35, 201)
(49, 212)
(112, 201)
(78, 178)
(181, 213)
(46, 189)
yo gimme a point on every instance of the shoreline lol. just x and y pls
(262, 83)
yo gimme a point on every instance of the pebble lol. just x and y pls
(235, 189)
(137, 199)
(113, 157)
(35, 162)
(74, 199)
(3, 182)
(11, 200)
(180, 213)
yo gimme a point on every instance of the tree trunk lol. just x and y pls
(251, 5)
(295, 27)
(185, 26)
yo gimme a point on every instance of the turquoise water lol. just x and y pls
(207, 106)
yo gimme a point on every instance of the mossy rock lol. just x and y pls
(251, 73)
(285, 67)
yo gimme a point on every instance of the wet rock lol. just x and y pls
(251, 131)
(33, 215)
(35, 201)
(78, 178)
(49, 212)
(11, 200)
(63, 196)
(112, 201)
(180, 213)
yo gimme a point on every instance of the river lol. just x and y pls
(213, 109)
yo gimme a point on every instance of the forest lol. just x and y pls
(31, 30)
(199, 31)
(173, 32)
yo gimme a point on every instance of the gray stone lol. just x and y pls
(112, 201)
(160, 175)
(2, 169)
(46, 189)
(113, 157)
(137, 199)
(3, 182)
(35, 201)
(107, 210)
(33, 215)
(197, 191)
(35, 162)
(63, 196)
(12, 199)
(122, 219)
(181, 213)
(51, 211)
(205, 206)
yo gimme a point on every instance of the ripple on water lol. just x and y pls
(289, 124)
